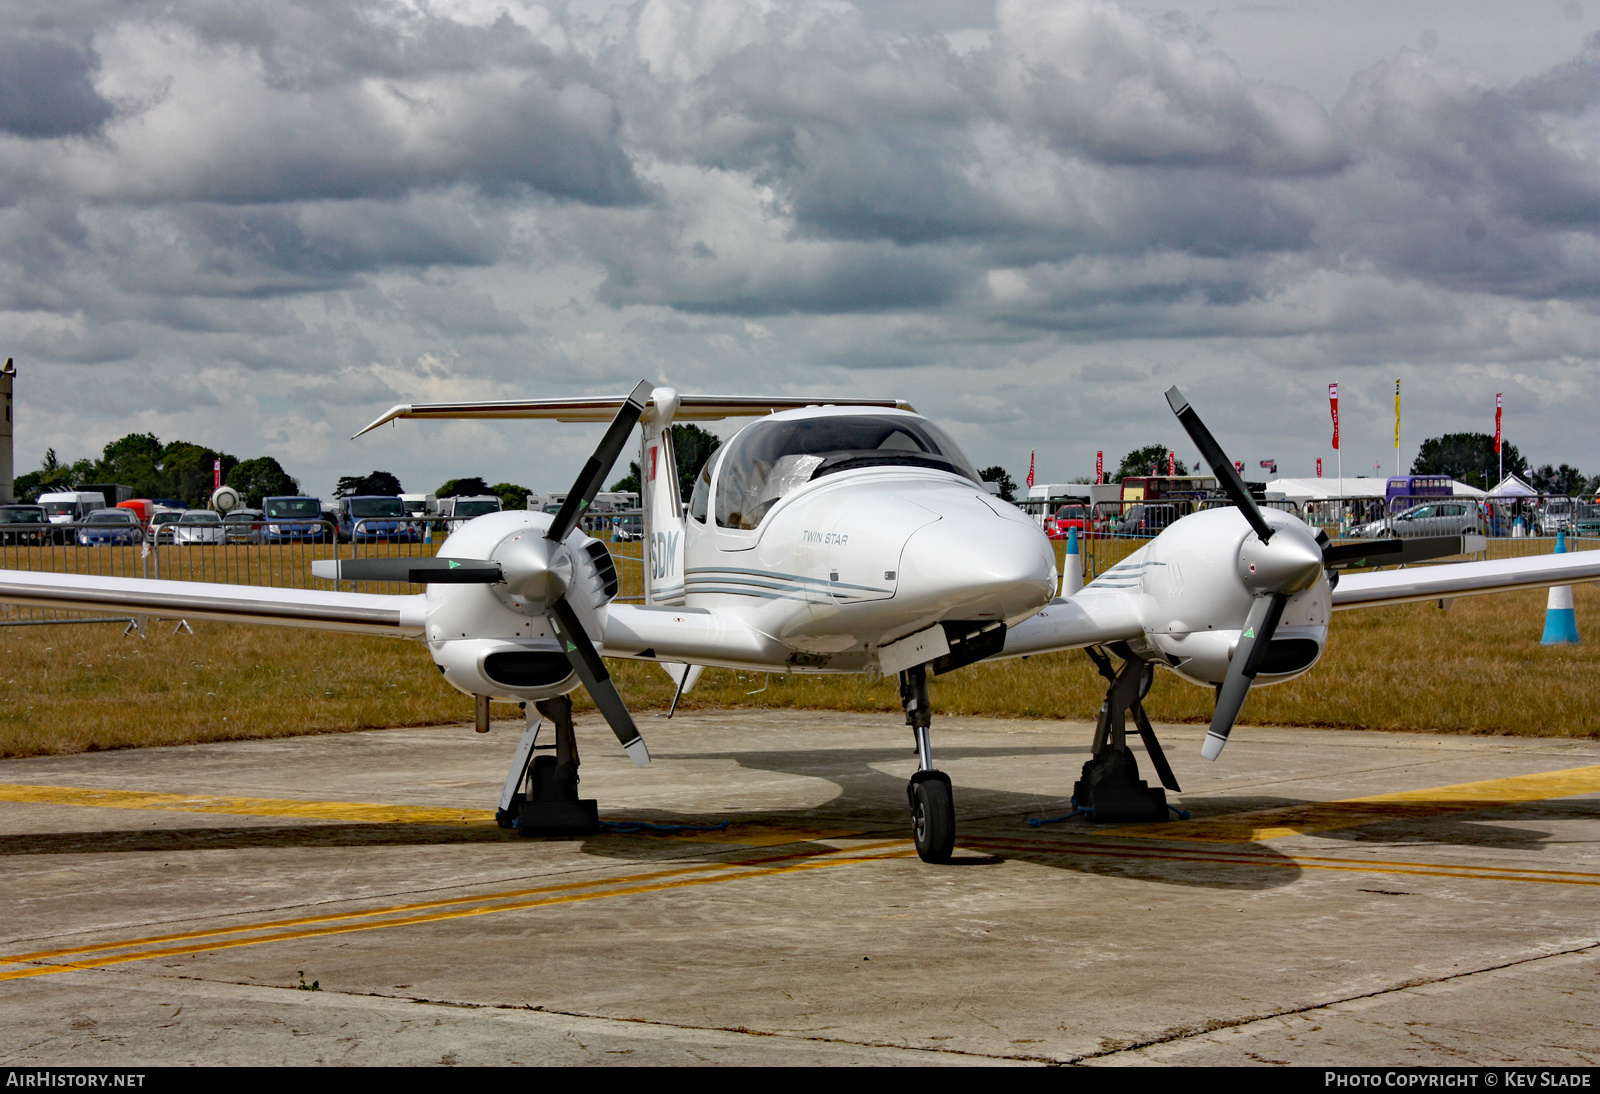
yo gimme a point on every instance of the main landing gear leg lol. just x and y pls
(933, 807)
(1110, 787)
(550, 805)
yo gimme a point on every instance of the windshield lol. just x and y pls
(476, 508)
(303, 508)
(1072, 512)
(200, 517)
(770, 459)
(21, 516)
(61, 508)
(241, 516)
(110, 516)
(376, 507)
(165, 518)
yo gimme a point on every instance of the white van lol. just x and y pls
(69, 507)
(461, 510)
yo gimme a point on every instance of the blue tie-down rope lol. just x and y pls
(630, 828)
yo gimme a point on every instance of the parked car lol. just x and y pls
(69, 507)
(243, 526)
(1586, 519)
(461, 510)
(372, 517)
(1146, 520)
(161, 522)
(1440, 518)
(23, 524)
(1556, 516)
(292, 519)
(1067, 518)
(627, 528)
(199, 527)
(114, 527)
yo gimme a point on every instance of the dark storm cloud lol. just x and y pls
(47, 88)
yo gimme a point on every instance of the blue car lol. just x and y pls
(373, 517)
(292, 520)
(116, 527)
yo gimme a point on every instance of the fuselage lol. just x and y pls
(833, 564)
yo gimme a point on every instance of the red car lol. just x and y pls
(1068, 517)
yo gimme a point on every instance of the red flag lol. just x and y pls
(216, 474)
(1333, 401)
(1497, 421)
(1172, 463)
(1319, 467)
(1099, 468)
(1030, 470)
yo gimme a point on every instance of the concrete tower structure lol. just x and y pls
(8, 373)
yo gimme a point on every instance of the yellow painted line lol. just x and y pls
(1294, 820)
(823, 862)
(443, 902)
(755, 835)
(357, 812)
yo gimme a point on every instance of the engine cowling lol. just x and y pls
(488, 639)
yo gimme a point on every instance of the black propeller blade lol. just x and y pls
(599, 465)
(1247, 659)
(1222, 467)
(586, 662)
(419, 571)
(1391, 552)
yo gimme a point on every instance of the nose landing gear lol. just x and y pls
(933, 808)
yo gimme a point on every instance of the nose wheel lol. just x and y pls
(933, 815)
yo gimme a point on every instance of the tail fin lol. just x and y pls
(663, 506)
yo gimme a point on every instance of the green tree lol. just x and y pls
(262, 477)
(511, 495)
(1141, 460)
(463, 488)
(692, 447)
(188, 469)
(1469, 458)
(134, 460)
(999, 476)
(1565, 479)
(378, 483)
(52, 477)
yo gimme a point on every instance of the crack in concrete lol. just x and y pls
(1187, 1032)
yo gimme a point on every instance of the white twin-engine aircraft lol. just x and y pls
(850, 536)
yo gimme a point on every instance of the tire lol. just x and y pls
(933, 819)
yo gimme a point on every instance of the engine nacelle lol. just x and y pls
(1196, 600)
(489, 642)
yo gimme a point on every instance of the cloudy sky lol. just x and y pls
(257, 226)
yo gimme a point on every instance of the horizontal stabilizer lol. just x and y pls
(691, 408)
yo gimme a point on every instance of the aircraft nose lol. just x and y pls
(976, 564)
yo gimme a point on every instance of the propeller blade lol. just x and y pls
(586, 662)
(1221, 466)
(599, 465)
(1247, 657)
(418, 571)
(1391, 552)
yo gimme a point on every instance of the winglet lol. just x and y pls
(399, 410)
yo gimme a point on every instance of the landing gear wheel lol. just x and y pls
(933, 815)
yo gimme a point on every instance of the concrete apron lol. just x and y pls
(163, 905)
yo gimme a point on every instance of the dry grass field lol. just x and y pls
(1477, 668)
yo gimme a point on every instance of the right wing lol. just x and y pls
(353, 613)
(1451, 579)
(1089, 617)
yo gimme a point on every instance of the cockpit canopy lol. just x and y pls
(770, 459)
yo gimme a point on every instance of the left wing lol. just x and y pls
(1366, 590)
(399, 616)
